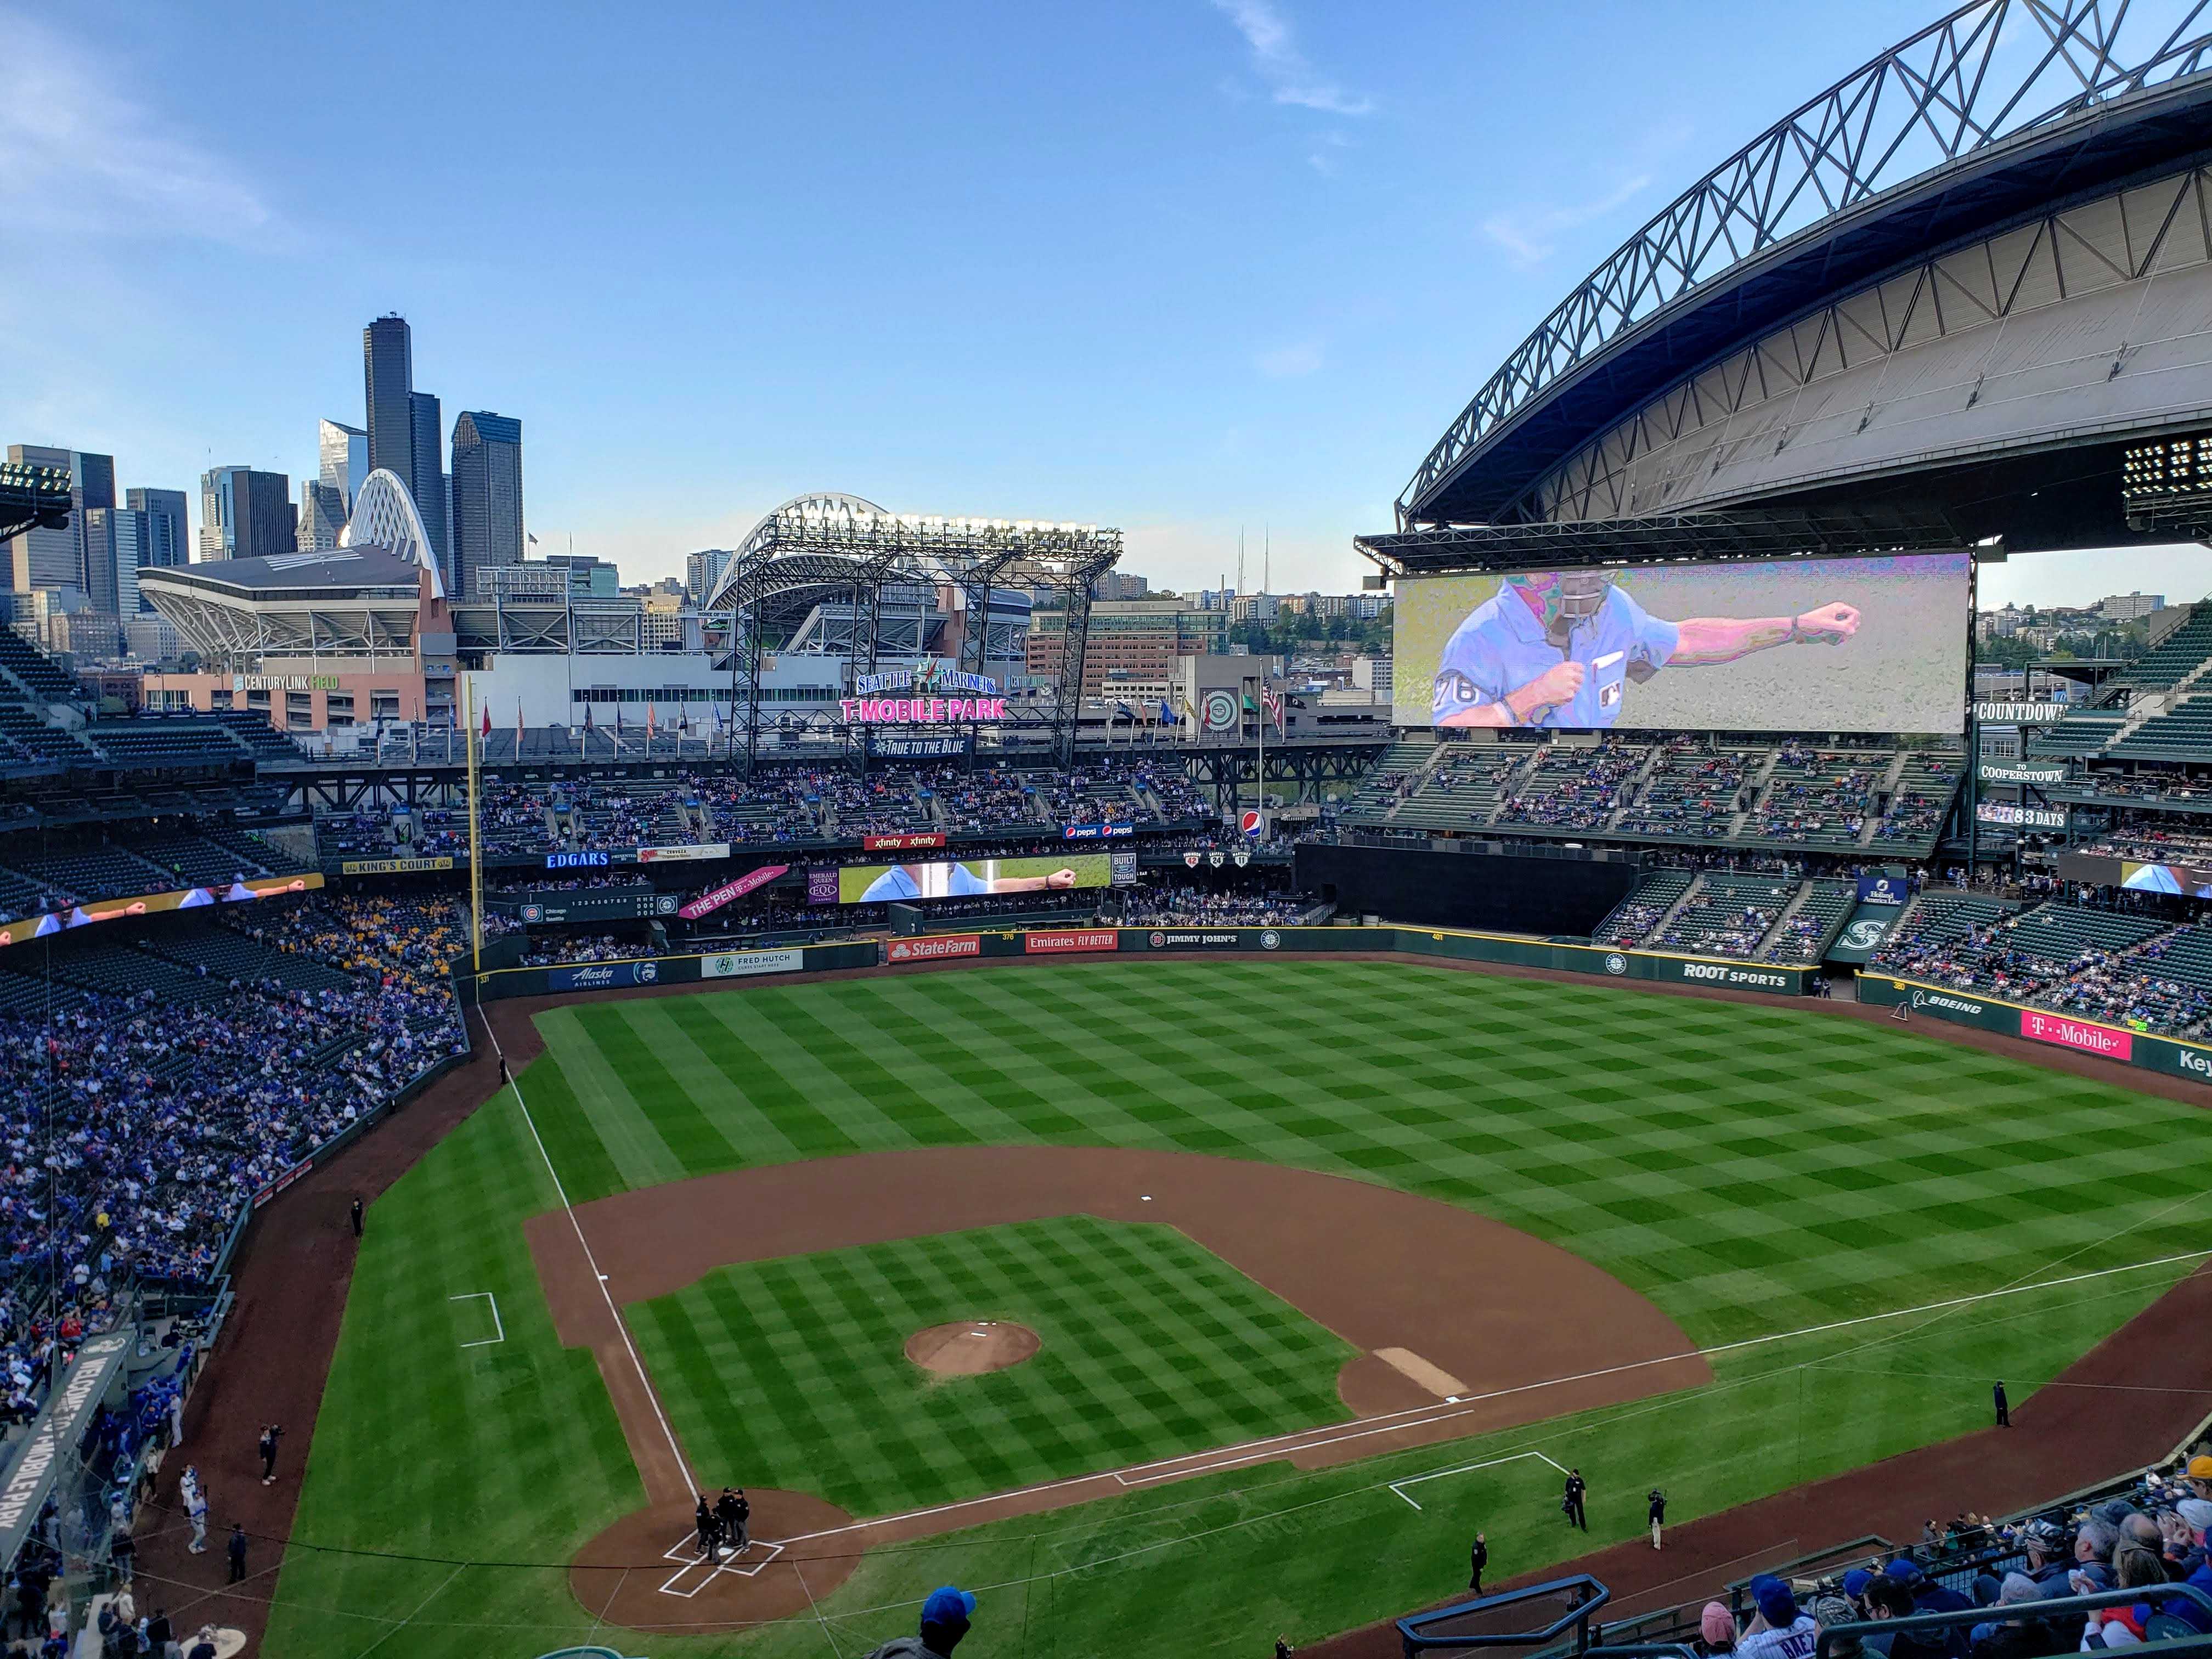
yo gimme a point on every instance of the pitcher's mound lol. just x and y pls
(971, 1347)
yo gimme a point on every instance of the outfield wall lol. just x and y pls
(2114, 1042)
(1501, 891)
(1035, 943)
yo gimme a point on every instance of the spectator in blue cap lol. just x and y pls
(943, 1621)
(1779, 1630)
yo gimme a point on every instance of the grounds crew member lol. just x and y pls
(944, 1618)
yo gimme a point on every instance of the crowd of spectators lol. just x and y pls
(2148, 1540)
(1574, 789)
(1200, 907)
(137, 1124)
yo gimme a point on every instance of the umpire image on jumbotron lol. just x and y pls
(1561, 648)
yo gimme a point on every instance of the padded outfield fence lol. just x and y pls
(1662, 967)
(2168, 1055)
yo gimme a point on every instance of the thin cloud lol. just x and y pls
(76, 158)
(1277, 61)
(1528, 236)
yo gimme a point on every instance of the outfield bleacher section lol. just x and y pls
(1679, 792)
(1811, 924)
(1726, 916)
(1646, 906)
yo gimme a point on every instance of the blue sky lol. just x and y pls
(1177, 266)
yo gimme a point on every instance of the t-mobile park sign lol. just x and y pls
(975, 697)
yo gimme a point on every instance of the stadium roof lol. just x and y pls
(1775, 533)
(1997, 111)
(337, 569)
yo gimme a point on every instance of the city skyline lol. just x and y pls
(1218, 320)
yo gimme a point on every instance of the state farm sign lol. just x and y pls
(935, 950)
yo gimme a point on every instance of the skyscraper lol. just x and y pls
(702, 569)
(487, 495)
(245, 514)
(404, 435)
(322, 515)
(344, 451)
(65, 558)
(387, 351)
(427, 483)
(167, 542)
(128, 534)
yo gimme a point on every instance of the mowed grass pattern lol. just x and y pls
(1754, 1169)
(793, 1374)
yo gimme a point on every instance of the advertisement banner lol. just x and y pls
(886, 747)
(884, 884)
(2019, 772)
(715, 898)
(1065, 943)
(1096, 831)
(2021, 817)
(146, 904)
(702, 851)
(1884, 889)
(2020, 713)
(898, 843)
(2077, 1033)
(1125, 866)
(740, 964)
(595, 859)
(602, 975)
(1866, 932)
(935, 950)
(1188, 938)
(821, 886)
(1842, 645)
(283, 1179)
(392, 866)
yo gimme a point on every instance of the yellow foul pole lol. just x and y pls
(475, 864)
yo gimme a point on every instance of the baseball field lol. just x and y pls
(1316, 1266)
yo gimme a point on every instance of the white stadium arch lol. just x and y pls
(384, 515)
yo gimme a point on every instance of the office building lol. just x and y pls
(1132, 638)
(387, 350)
(404, 437)
(1118, 585)
(2129, 607)
(245, 514)
(427, 483)
(168, 540)
(344, 453)
(62, 558)
(129, 540)
(702, 570)
(487, 524)
(322, 515)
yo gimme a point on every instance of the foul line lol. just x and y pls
(1250, 1451)
(682, 1465)
(483, 1342)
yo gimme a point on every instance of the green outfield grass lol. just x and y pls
(1151, 1346)
(1754, 1169)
